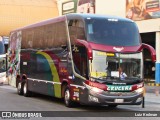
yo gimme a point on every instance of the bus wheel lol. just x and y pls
(67, 99)
(20, 88)
(26, 93)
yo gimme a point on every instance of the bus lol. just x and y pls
(80, 58)
(2, 61)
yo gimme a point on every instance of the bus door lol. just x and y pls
(80, 60)
(80, 66)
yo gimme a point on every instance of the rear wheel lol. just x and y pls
(20, 88)
(26, 92)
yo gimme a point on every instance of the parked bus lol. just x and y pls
(2, 61)
(80, 57)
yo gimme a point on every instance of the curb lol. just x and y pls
(152, 84)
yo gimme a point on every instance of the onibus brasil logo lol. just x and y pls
(20, 115)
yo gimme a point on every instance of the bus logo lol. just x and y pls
(6, 114)
(118, 49)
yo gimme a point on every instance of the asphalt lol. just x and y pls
(152, 89)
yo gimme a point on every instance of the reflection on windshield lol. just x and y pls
(115, 33)
(116, 65)
(2, 65)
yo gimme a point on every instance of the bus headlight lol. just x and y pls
(97, 90)
(140, 90)
(94, 89)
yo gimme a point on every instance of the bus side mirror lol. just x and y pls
(88, 47)
(151, 49)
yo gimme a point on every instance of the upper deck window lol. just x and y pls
(112, 32)
(76, 30)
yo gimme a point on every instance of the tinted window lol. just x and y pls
(109, 32)
(1, 48)
(2, 64)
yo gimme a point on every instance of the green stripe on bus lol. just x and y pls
(57, 87)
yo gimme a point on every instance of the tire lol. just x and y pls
(20, 88)
(67, 100)
(26, 92)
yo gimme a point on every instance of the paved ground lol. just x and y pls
(10, 101)
(152, 89)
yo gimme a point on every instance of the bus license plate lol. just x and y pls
(119, 100)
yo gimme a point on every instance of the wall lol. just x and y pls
(111, 7)
(151, 25)
(118, 8)
(145, 24)
(19, 13)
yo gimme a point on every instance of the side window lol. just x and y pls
(76, 30)
(80, 30)
(2, 64)
(1, 47)
(45, 36)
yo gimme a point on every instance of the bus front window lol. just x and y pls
(112, 32)
(117, 66)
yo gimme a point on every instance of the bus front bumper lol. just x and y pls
(118, 99)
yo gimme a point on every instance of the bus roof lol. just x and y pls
(86, 16)
(41, 23)
(72, 16)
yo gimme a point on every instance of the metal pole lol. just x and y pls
(143, 102)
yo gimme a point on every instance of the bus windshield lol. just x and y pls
(112, 32)
(116, 65)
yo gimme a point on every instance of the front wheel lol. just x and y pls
(67, 98)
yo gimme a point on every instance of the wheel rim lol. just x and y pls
(19, 87)
(67, 96)
(25, 88)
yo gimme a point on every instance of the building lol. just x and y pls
(19, 13)
(146, 13)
